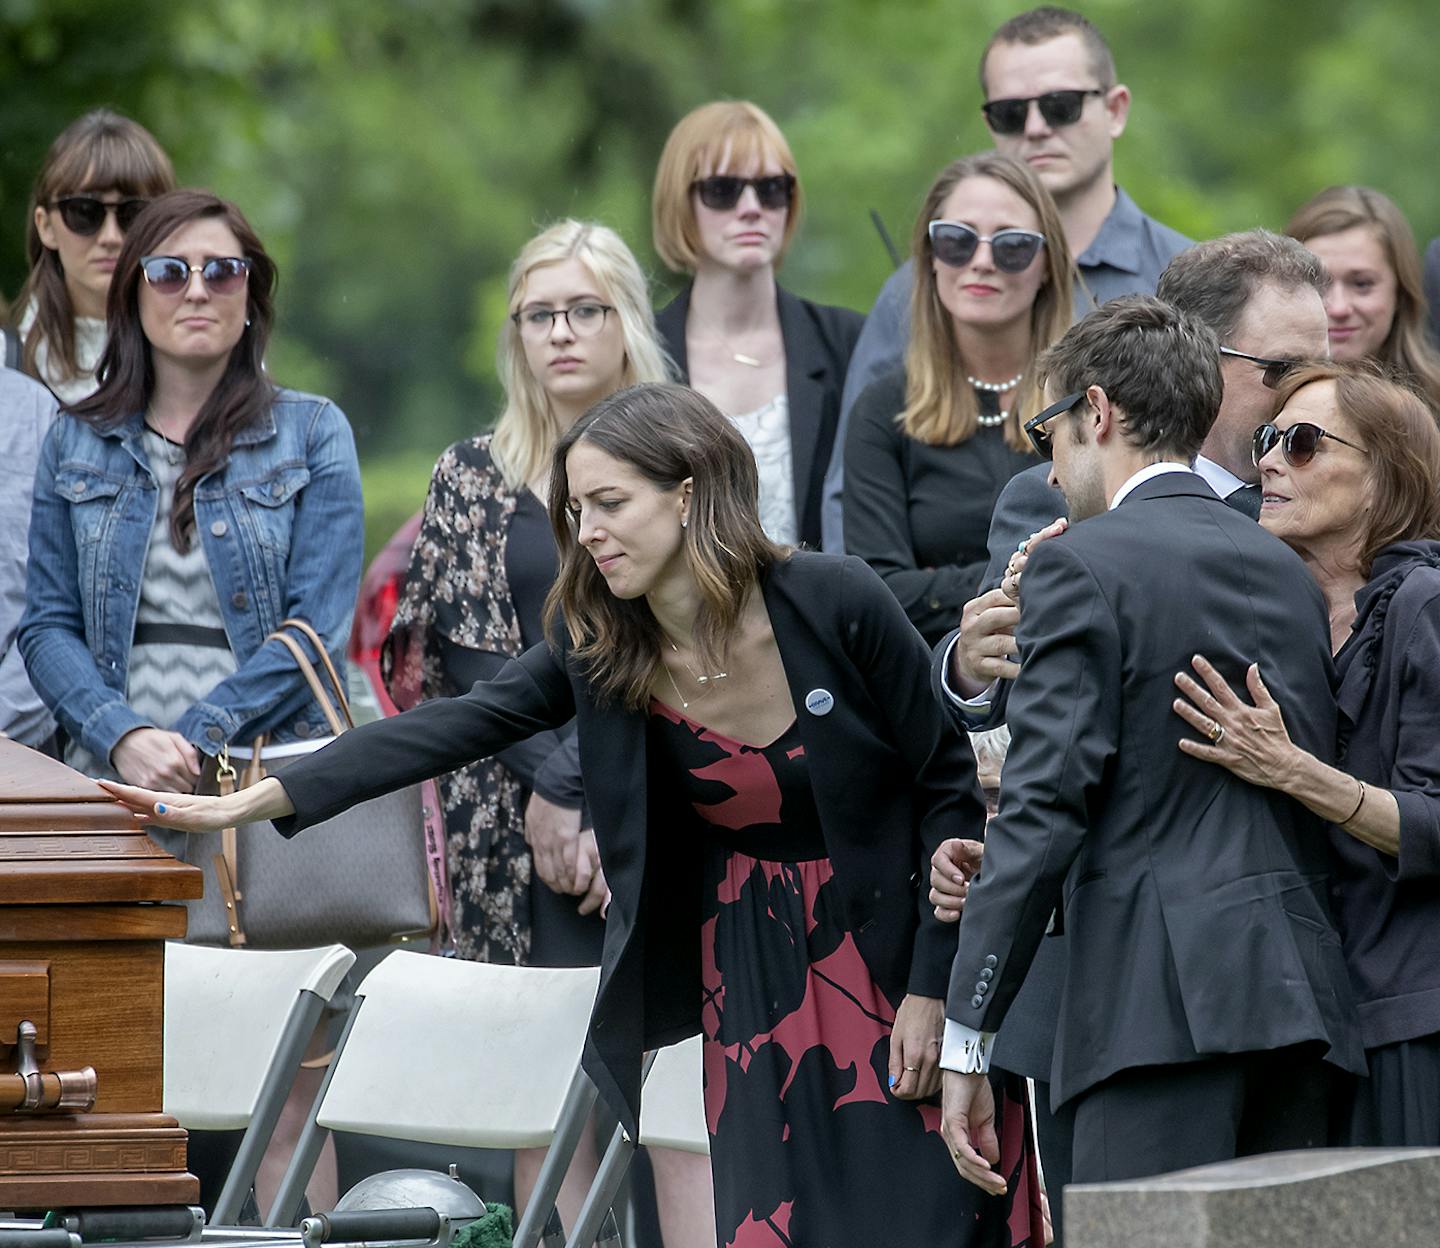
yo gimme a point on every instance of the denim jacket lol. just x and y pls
(281, 527)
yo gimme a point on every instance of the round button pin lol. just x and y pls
(819, 702)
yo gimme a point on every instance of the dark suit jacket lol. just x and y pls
(890, 780)
(1194, 903)
(818, 342)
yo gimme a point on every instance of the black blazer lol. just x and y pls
(1194, 904)
(819, 340)
(891, 781)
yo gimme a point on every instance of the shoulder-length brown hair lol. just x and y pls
(940, 405)
(668, 434)
(1399, 434)
(100, 151)
(127, 374)
(1407, 348)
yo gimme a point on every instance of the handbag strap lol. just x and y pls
(304, 627)
(227, 873)
(307, 670)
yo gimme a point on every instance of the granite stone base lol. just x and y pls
(1320, 1198)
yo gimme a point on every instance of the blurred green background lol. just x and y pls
(395, 154)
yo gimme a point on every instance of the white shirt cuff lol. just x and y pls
(965, 1050)
(978, 704)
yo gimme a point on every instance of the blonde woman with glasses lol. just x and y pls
(524, 870)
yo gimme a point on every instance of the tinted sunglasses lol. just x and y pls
(85, 214)
(1058, 108)
(1035, 429)
(1013, 251)
(722, 192)
(1275, 370)
(169, 275)
(1298, 443)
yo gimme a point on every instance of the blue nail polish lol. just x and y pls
(892, 1081)
(159, 808)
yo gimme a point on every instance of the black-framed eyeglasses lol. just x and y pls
(584, 319)
(1035, 429)
(1058, 108)
(721, 192)
(1275, 370)
(1298, 443)
(169, 275)
(955, 243)
(85, 214)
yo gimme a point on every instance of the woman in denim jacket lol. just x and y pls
(183, 511)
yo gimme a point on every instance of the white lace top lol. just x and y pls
(768, 433)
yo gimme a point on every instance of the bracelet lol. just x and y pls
(1358, 804)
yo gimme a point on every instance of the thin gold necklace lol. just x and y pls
(702, 681)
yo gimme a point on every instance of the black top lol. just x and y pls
(889, 779)
(819, 340)
(1388, 909)
(920, 514)
(530, 565)
(1193, 902)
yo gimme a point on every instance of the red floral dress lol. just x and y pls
(808, 1147)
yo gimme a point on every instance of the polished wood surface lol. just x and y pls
(82, 956)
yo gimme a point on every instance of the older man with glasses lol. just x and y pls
(1052, 101)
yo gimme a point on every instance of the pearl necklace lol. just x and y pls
(988, 420)
(996, 387)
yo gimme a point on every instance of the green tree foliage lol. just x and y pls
(395, 154)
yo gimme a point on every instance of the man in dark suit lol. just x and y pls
(1205, 996)
(1261, 294)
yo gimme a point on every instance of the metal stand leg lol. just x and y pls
(579, 1100)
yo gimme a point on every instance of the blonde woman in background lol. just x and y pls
(929, 447)
(99, 173)
(1376, 301)
(525, 875)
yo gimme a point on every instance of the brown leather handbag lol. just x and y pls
(362, 879)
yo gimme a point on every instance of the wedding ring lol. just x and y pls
(912, 1068)
(1217, 732)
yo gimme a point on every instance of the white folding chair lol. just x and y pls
(672, 1115)
(236, 1025)
(466, 1053)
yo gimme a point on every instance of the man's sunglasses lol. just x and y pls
(1058, 108)
(1035, 429)
(1275, 370)
(169, 275)
(955, 243)
(1298, 443)
(85, 214)
(722, 192)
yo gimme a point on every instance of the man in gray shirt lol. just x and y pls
(1053, 102)
(27, 410)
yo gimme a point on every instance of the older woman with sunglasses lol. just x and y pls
(183, 511)
(930, 447)
(1348, 467)
(97, 176)
(726, 204)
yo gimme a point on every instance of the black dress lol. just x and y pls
(920, 514)
(807, 1145)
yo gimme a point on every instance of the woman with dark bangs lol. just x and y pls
(768, 776)
(97, 176)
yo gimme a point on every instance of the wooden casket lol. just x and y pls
(82, 961)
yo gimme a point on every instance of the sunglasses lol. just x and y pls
(169, 275)
(1035, 429)
(1298, 443)
(1058, 108)
(85, 214)
(1275, 370)
(955, 243)
(722, 192)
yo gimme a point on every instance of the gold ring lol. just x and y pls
(1217, 732)
(912, 1068)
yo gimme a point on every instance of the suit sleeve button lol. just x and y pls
(991, 960)
(987, 973)
(982, 987)
(977, 1001)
